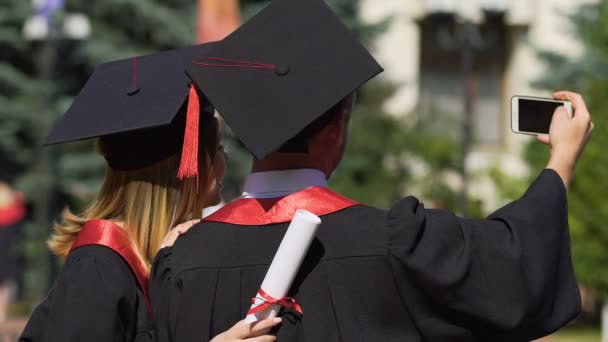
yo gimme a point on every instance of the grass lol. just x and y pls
(578, 335)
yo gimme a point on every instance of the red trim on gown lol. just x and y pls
(107, 234)
(264, 211)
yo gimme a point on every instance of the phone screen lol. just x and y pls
(535, 116)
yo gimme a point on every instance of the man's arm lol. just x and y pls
(568, 137)
(508, 277)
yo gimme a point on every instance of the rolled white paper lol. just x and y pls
(286, 262)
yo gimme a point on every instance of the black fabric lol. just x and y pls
(141, 148)
(144, 147)
(315, 62)
(145, 126)
(95, 299)
(409, 274)
(8, 252)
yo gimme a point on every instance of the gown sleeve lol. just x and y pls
(91, 301)
(161, 287)
(508, 277)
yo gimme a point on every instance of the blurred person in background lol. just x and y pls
(12, 213)
(158, 175)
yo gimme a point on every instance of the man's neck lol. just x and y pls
(279, 183)
(287, 161)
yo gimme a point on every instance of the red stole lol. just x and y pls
(264, 211)
(107, 234)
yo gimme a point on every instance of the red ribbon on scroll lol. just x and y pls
(268, 300)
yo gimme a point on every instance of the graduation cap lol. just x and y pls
(144, 108)
(282, 70)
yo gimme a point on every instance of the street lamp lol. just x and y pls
(456, 32)
(39, 27)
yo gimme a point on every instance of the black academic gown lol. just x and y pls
(96, 298)
(407, 274)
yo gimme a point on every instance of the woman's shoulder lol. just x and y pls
(94, 252)
(94, 287)
(97, 263)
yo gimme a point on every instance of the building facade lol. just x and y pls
(470, 56)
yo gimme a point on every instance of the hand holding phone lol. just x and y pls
(568, 133)
(532, 115)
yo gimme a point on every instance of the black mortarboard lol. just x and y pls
(138, 106)
(282, 70)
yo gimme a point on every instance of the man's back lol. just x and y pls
(407, 274)
(345, 285)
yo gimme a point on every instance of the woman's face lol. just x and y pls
(218, 170)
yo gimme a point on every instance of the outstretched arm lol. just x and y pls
(508, 277)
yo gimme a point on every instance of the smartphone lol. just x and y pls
(532, 115)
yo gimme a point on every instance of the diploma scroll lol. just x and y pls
(284, 267)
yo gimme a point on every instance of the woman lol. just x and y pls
(101, 292)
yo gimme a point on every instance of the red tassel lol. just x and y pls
(189, 164)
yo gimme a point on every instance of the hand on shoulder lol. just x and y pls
(176, 232)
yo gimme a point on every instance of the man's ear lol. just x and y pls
(336, 128)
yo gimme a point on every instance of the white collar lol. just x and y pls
(279, 183)
(212, 209)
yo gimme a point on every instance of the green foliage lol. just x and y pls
(372, 171)
(509, 188)
(384, 153)
(238, 166)
(587, 196)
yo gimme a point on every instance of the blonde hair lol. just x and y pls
(147, 201)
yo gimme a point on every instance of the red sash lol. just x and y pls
(107, 234)
(264, 211)
(13, 213)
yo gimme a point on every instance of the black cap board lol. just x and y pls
(138, 104)
(282, 70)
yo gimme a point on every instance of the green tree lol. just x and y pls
(384, 153)
(588, 208)
(587, 198)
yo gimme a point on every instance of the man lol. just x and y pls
(406, 274)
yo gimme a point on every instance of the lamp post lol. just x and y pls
(43, 30)
(459, 38)
(468, 43)
(460, 34)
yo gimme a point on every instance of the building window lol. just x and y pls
(443, 83)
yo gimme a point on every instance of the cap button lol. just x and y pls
(133, 90)
(281, 69)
